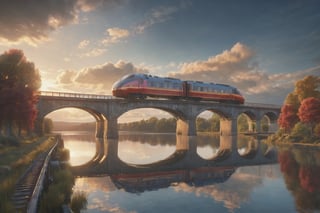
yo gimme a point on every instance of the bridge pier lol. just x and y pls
(228, 126)
(111, 128)
(258, 126)
(186, 127)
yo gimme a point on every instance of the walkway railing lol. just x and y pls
(74, 95)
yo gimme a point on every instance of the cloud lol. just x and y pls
(83, 44)
(157, 15)
(32, 22)
(94, 52)
(238, 67)
(66, 77)
(99, 79)
(115, 35)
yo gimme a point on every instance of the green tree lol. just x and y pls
(301, 132)
(203, 125)
(292, 99)
(243, 123)
(308, 87)
(19, 82)
(47, 125)
(215, 122)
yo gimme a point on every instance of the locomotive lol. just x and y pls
(141, 86)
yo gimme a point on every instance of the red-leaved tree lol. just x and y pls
(19, 82)
(309, 111)
(288, 117)
(309, 178)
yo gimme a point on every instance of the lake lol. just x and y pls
(289, 184)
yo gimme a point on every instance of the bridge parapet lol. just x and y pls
(74, 95)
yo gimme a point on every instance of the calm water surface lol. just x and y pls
(292, 185)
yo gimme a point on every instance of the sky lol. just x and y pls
(260, 47)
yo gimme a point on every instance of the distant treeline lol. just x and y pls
(152, 124)
(74, 126)
(162, 125)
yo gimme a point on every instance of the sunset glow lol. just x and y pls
(85, 46)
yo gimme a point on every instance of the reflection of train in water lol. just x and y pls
(140, 182)
(143, 85)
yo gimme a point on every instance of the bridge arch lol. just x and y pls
(184, 125)
(272, 120)
(99, 117)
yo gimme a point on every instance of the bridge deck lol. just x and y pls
(107, 97)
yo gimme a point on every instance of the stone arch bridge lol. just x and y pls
(107, 109)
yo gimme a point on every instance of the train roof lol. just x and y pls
(158, 78)
(153, 77)
(200, 83)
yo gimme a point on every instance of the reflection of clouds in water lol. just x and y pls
(207, 152)
(98, 190)
(232, 193)
(80, 152)
(137, 153)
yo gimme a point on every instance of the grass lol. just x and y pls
(60, 193)
(14, 160)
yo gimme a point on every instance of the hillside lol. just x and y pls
(73, 126)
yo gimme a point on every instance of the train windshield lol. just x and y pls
(122, 81)
(127, 77)
(236, 91)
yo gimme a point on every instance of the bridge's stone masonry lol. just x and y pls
(107, 111)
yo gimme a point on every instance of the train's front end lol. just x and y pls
(238, 96)
(127, 86)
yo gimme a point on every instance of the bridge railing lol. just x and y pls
(74, 95)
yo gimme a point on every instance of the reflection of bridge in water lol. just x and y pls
(185, 160)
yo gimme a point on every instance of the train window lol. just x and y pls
(161, 85)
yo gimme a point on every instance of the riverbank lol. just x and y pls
(14, 161)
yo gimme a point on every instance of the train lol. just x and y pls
(141, 86)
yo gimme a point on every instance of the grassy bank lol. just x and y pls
(14, 161)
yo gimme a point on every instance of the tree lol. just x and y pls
(243, 125)
(215, 122)
(288, 117)
(308, 87)
(309, 111)
(293, 100)
(19, 82)
(47, 125)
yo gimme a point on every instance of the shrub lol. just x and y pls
(78, 201)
